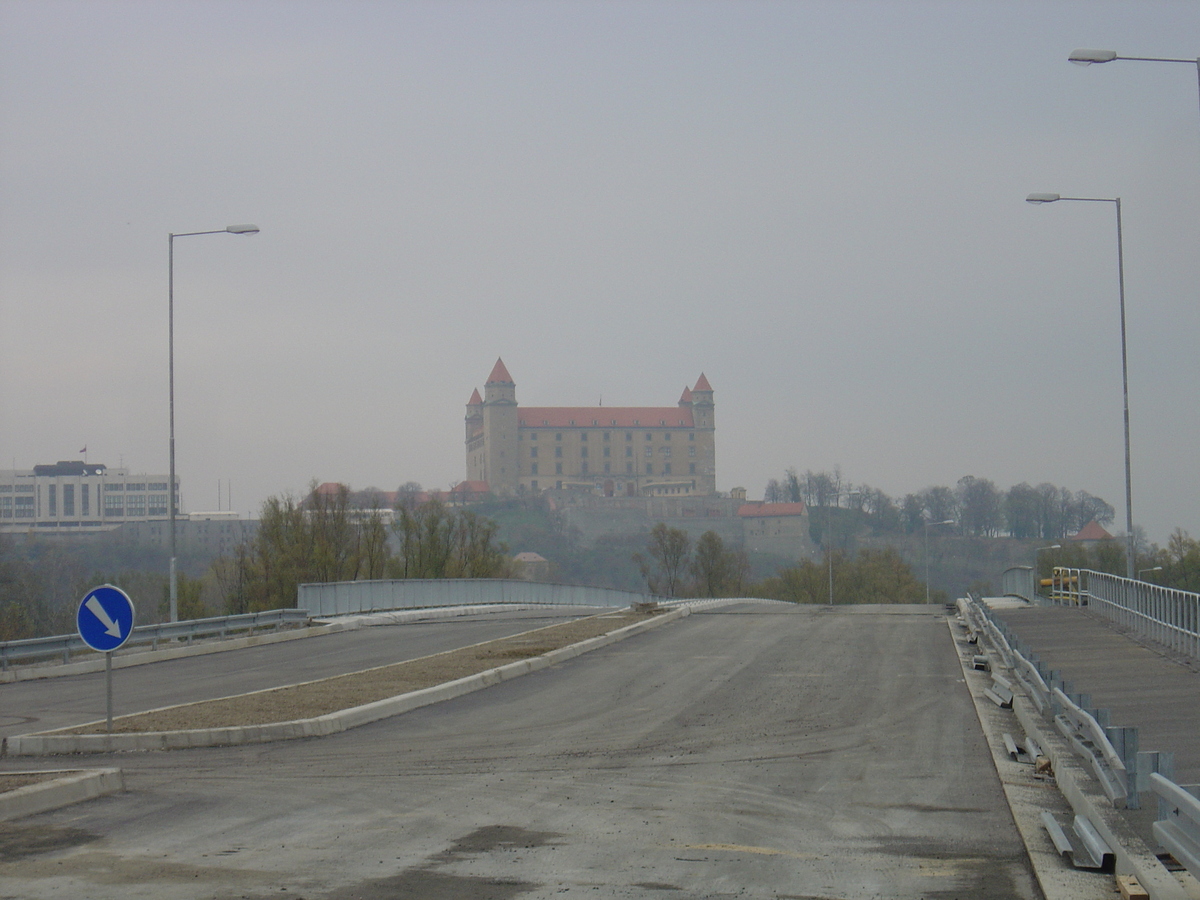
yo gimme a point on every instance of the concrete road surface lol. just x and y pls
(750, 751)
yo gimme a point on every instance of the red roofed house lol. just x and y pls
(1091, 533)
(607, 450)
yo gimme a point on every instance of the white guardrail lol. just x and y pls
(63, 645)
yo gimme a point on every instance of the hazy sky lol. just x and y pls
(820, 205)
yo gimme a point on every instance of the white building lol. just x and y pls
(76, 496)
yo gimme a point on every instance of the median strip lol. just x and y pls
(331, 705)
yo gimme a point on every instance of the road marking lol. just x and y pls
(742, 848)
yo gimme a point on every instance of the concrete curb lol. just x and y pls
(319, 726)
(75, 786)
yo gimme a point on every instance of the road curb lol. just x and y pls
(75, 786)
(319, 726)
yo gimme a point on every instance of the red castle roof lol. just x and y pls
(475, 400)
(687, 395)
(499, 374)
(605, 417)
(702, 384)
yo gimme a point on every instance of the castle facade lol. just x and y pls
(611, 451)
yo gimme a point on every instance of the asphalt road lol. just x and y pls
(752, 751)
(27, 706)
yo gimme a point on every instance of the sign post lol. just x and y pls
(105, 621)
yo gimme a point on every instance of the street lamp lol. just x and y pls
(1052, 198)
(1087, 57)
(1035, 568)
(232, 229)
(1142, 572)
(927, 525)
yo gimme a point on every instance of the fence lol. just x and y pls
(1165, 615)
(342, 597)
(63, 645)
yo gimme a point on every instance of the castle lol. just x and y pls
(627, 451)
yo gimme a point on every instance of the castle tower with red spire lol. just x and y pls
(611, 451)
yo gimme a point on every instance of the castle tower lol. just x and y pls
(500, 431)
(704, 416)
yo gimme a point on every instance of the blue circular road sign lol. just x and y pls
(105, 618)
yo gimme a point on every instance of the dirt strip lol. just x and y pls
(317, 698)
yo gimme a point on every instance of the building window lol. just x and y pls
(649, 436)
(585, 468)
(533, 436)
(691, 451)
(691, 468)
(608, 468)
(68, 499)
(558, 437)
(649, 451)
(533, 469)
(52, 499)
(629, 435)
(533, 452)
(558, 468)
(692, 436)
(583, 435)
(608, 451)
(114, 505)
(135, 505)
(628, 468)
(607, 435)
(23, 507)
(665, 451)
(649, 468)
(629, 451)
(533, 484)
(583, 452)
(667, 469)
(84, 494)
(6, 507)
(113, 486)
(667, 436)
(158, 504)
(558, 451)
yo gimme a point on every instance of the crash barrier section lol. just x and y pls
(1123, 771)
(345, 597)
(63, 645)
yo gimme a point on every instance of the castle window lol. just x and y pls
(667, 436)
(533, 436)
(667, 469)
(558, 437)
(662, 421)
(607, 468)
(691, 468)
(533, 471)
(545, 421)
(649, 468)
(629, 451)
(572, 421)
(649, 436)
(583, 452)
(607, 435)
(583, 436)
(691, 451)
(533, 452)
(558, 451)
(558, 468)
(649, 451)
(533, 484)
(614, 421)
(608, 451)
(585, 469)
(594, 422)
(665, 451)
(636, 422)
(628, 468)
(692, 436)
(629, 435)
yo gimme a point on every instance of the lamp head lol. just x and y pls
(1087, 57)
(1042, 198)
(242, 229)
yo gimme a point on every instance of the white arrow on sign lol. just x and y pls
(98, 610)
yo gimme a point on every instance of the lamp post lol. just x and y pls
(1142, 572)
(927, 525)
(1035, 568)
(1116, 201)
(837, 499)
(171, 503)
(1088, 57)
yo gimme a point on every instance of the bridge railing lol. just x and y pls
(1168, 616)
(343, 597)
(63, 645)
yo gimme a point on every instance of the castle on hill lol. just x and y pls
(626, 451)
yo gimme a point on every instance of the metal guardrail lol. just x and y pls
(64, 645)
(1165, 615)
(343, 597)
(1090, 740)
(1179, 829)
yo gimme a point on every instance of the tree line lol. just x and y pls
(975, 505)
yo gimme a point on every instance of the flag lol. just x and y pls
(84, 450)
